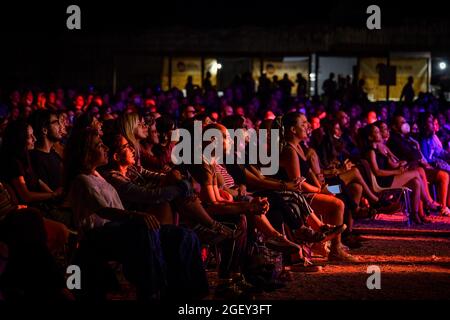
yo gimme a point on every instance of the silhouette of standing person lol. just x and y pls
(264, 87)
(302, 85)
(207, 85)
(330, 86)
(286, 86)
(408, 91)
(190, 87)
(360, 95)
(275, 83)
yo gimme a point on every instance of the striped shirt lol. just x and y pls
(228, 181)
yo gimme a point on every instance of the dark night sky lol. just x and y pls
(135, 15)
(36, 46)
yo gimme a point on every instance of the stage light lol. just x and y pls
(442, 65)
(214, 67)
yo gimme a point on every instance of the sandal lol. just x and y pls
(331, 231)
(342, 256)
(307, 235)
(320, 249)
(434, 207)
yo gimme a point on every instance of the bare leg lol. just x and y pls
(263, 225)
(332, 210)
(443, 180)
(415, 199)
(314, 222)
(403, 179)
(354, 176)
(424, 179)
(355, 190)
(314, 162)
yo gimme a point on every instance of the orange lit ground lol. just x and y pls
(412, 267)
(408, 271)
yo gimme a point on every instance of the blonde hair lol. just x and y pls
(127, 123)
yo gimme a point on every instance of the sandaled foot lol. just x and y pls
(307, 235)
(342, 256)
(434, 206)
(332, 231)
(320, 249)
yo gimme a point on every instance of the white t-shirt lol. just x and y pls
(90, 193)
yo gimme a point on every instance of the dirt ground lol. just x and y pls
(411, 268)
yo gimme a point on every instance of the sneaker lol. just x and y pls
(281, 244)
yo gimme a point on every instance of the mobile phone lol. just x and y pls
(335, 189)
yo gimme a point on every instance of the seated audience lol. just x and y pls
(407, 149)
(294, 165)
(161, 260)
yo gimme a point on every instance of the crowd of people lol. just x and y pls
(92, 175)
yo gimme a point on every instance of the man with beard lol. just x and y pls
(46, 163)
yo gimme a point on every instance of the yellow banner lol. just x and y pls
(184, 67)
(415, 67)
(368, 70)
